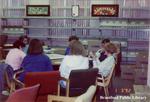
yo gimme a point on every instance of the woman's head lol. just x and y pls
(104, 41)
(72, 38)
(110, 48)
(35, 47)
(24, 39)
(18, 44)
(76, 48)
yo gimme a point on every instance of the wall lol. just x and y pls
(148, 75)
(38, 2)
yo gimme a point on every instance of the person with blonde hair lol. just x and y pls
(106, 65)
(74, 61)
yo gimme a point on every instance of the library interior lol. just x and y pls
(74, 51)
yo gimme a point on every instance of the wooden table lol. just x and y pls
(56, 60)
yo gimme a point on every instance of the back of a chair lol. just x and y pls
(6, 76)
(48, 81)
(80, 80)
(88, 95)
(24, 95)
(106, 80)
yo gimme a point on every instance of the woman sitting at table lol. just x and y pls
(25, 40)
(15, 56)
(35, 61)
(74, 61)
(70, 40)
(101, 52)
(106, 65)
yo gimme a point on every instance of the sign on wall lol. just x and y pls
(38, 10)
(102, 10)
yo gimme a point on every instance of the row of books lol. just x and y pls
(134, 13)
(14, 3)
(132, 34)
(133, 3)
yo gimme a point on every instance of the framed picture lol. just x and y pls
(75, 10)
(105, 10)
(38, 10)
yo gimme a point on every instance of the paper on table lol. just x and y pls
(55, 56)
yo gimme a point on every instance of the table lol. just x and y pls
(55, 56)
(56, 60)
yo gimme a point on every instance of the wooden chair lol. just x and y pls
(79, 81)
(105, 81)
(86, 97)
(14, 82)
(8, 75)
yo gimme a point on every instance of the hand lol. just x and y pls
(91, 55)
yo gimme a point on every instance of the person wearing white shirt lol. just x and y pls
(101, 52)
(76, 60)
(106, 65)
(15, 56)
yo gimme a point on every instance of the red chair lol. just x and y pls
(48, 83)
(28, 94)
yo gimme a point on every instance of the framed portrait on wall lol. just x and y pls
(105, 10)
(38, 10)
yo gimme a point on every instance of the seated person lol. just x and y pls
(106, 65)
(15, 56)
(101, 53)
(76, 60)
(25, 40)
(35, 61)
(71, 38)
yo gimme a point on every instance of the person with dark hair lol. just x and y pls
(76, 60)
(15, 56)
(101, 52)
(25, 40)
(35, 47)
(106, 65)
(36, 60)
(71, 38)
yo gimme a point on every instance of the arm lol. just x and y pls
(49, 64)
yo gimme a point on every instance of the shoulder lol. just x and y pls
(45, 57)
(67, 57)
(14, 50)
(111, 58)
(17, 51)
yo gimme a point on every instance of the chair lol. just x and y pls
(28, 94)
(13, 83)
(48, 83)
(79, 81)
(86, 97)
(105, 81)
(6, 74)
